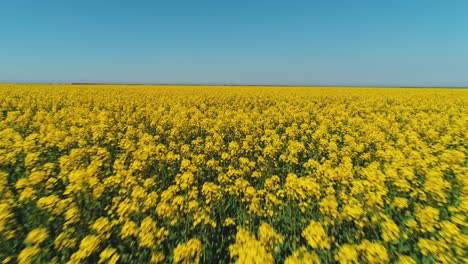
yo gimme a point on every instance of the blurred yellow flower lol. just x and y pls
(189, 252)
(37, 236)
(316, 236)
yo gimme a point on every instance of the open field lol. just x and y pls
(185, 174)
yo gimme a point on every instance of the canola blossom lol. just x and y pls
(206, 174)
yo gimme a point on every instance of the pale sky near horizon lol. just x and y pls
(370, 43)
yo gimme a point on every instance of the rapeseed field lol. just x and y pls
(194, 174)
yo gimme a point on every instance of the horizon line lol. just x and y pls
(225, 84)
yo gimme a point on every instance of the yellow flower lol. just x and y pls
(302, 256)
(269, 237)
(157, 257)
(406, 260)
(316, 236)
(149, 234)
(37, 177)
(101, 226)
(6, 219)
(72, 216)
(185, 180)
(48, 202)
(428, 218)
(37, 236)
(129, 229)
(7, 260)
(329, 206)
(212, 192)
(347, 254)
(428, 247)
(400, 203)
(248, 249)
(229, 222)
(109, 255)
(189, 252)
(353, 211)
(27, 193)
(375, 253)
(27, 255)
(390, 231)
(411, 224)
(66, 239)
(272, 184)
(88, 246)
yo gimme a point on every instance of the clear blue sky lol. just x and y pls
(347, 42)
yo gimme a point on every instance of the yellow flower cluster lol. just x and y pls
(249, 249)
(193, 174)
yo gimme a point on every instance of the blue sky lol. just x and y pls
(373, 43)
